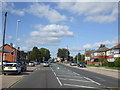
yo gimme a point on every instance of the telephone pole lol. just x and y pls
(3, 41)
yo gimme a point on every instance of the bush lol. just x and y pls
(111, 64)
(117, 62)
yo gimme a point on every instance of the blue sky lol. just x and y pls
(56, 25)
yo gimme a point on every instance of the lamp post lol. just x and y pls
(5, 17)
(16, 36)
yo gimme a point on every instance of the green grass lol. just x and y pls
(115, 68)
(95, 65)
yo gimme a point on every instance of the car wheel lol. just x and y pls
(4, 73)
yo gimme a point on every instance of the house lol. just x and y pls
(13, 56)
(88, 55)
(113, 53)
(99, 55)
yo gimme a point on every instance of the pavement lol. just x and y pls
(9, 80)
(62, 76)
(100, 70)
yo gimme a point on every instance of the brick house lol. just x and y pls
(10, 56)
(113, 53)
(99, 55)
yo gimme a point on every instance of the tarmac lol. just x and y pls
(101, 70)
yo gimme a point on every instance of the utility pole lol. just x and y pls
(5, 17)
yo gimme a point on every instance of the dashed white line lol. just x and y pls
(57, 77)
(78, 86)
(59, 81)
(92, 80)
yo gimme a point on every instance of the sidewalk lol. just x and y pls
(100, 70)
(9, 80)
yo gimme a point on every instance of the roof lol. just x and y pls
(88, 52)
(9, 46)
(116, 47)
(102, 48)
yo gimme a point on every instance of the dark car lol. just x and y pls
(22, 65)
(81, 64)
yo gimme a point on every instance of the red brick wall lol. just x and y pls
(9, 56)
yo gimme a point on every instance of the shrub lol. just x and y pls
(111, 64)
(117, 62)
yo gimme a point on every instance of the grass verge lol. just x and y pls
(114, 68)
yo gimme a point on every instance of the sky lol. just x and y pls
(53, 25)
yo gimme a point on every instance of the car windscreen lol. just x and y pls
(11, 65)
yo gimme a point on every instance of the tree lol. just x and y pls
(34, 54)
(23, 55)
(79, 57)
(63, 53)
(44, 54)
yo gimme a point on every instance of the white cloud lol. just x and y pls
(9, 38)
(49, 34)
(10, 7)
(42, 10)
(101, 12)
(95, 45)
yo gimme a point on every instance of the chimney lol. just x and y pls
(18, 48)
(11, 44)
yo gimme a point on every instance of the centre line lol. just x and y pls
(57, 77)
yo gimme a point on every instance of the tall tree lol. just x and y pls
(34, 54)
(44, 54)
(23, 55)
(63, 53)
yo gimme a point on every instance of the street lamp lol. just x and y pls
(16, 36)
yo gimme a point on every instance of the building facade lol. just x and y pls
(103, 54)
(13, 56)
(113, 53)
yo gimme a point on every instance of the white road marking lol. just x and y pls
(59, 81)
(68, 76)
(57, 77)
(76, 73)
(74, 80)
(92, 80)
(78, 86)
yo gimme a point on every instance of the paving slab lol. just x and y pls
(9, 80)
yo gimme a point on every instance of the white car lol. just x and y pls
(31, 64)
(46, 64)
(12, 68)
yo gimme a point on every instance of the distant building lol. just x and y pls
(10, 56)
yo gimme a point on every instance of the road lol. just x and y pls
(61, 76)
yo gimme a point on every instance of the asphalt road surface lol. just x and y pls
(61, 76)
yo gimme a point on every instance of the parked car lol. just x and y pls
(22, 65)
(31, 64)
(12, 68)
(81, 64)
(73, 64)
(46, 64)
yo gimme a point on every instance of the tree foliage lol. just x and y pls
(63, 53)
(79, 57)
